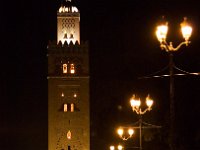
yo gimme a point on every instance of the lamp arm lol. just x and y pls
(137, 110)
(144, 111)
(169, 47)
(125, 138)
(182, 43)
(164, 46)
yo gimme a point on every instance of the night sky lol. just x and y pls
(123, 47)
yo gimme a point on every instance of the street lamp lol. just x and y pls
(136, 107)
(135, 104)
(119, 147)
(161, 34)
(123, 135)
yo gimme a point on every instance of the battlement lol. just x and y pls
(59, 48)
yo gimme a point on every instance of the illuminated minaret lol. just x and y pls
(68, 84)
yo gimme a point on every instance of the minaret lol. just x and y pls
(68, 84)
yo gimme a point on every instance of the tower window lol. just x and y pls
(65, 35)
(62, 94)
(64, 68)
(71, 36)
(69, 148)
(75, 95)
(69, 107)
(65, 107)
(69, 135)
(72, 107)
(72, 70)
(68, 68)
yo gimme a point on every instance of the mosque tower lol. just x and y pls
(68, 84)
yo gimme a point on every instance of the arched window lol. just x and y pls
(65, 107)
(62, 94)
(72, 107)
(69, 135)
(68, 68)
(69, 148)
(64, 68)
(72, 70)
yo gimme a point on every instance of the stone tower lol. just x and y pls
(68, 84)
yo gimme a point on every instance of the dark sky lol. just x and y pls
(123, 47)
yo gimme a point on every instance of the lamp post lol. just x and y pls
(135, 104)
(161, 34)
